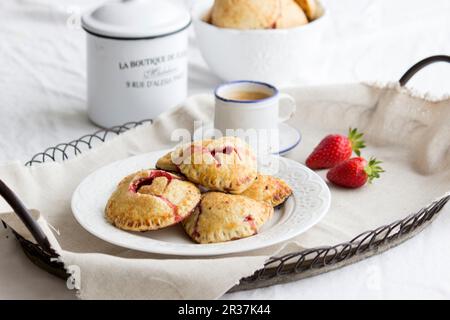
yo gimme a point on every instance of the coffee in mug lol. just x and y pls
(250, 108)
(247, 95)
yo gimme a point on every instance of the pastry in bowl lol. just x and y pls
(224, 217)
(311, 8)
(291, 15)
(226, 164)
(240, 50)
(257, 14)
(244, 14)
(268, 189)
(151, 200)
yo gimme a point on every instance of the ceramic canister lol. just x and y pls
(136, 59)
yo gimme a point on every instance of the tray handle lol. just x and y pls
(24, 214)
(420, 65)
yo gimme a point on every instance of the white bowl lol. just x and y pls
(277, 56)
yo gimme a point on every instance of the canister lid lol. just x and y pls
(136, 19)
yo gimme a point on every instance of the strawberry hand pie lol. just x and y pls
(224, 217)
(151, 200)
(271, 190)
(226, 164)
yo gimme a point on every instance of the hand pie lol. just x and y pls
(151, 200)
(271, 190)
(223, 217)
(226, 164)
(165, 163)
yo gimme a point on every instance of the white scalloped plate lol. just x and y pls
(306, 207)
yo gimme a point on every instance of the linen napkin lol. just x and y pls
(410, 133)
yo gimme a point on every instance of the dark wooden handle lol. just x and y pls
(25, 215)
(420, 65)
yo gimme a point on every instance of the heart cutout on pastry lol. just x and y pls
(221, 217)
(226, 164)
(151, 200)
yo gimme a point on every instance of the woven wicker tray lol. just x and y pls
(281, 269)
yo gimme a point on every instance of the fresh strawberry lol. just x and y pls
(334, 149)
(355, 172)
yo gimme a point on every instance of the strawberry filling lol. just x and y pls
(200, 149)
(147, 181)
(196, 233)
(251, 222)
(174, 208)
(224, 150)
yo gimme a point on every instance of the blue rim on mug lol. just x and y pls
(267, 85)
(282, 152)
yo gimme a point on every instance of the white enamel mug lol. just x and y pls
(244, 118)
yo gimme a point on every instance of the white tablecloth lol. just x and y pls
(42, 103)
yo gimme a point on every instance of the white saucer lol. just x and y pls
(289, 137)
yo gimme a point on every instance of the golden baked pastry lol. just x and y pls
(151, 200)
(226, 164)
(271, 190)
(245, 14)
(291, 15)
(223, 217)
(310, 7)
(165, 163)
(257, 14)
